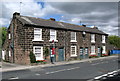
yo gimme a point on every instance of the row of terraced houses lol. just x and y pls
(71, 41)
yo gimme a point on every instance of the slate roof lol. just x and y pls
(55, 24)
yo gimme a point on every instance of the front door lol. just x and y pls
(86, 52)
(81, 53)
(61, 54)
(99, 53)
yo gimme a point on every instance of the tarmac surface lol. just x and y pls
(12, 67)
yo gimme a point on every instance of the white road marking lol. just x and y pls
(73, 68)
(110, 74)
(95, 64)
(55, 71)
(104, 75)
(37, 74)
(61, 70)
(100, 63)
(98, 77)
(13, 78)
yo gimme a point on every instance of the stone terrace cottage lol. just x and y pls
(71, 41)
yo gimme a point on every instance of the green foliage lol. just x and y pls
(114, 40)
(46, 52)
(32, 57)
(3, 32)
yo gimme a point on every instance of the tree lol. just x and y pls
(114, 40)
(3, 32)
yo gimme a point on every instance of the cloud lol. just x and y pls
(101, 14)
(26, 8)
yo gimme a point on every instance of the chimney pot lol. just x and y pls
(84, 25)
(16, 14)
(52, 19)
(95, 27)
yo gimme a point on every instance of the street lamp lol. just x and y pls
(83, 33)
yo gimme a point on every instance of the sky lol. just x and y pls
(104, 15)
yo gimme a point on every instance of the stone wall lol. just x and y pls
(23, 42)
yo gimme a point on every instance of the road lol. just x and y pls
(84, 70)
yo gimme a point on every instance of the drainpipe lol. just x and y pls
(13, 40)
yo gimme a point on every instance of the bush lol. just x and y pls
(46, 52)
(32, 57)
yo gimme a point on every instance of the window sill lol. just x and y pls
(37, 40)
(73, 41)
(73, 56)
(54, 40)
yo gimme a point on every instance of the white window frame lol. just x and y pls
(93, 38)
(103, 38)
(92, 50)
(38, 32)
(104, 50)
(9, 53)
(86, 51)
(9, 36)
(41, 55)
(73, 55)
(3, 54)
(55, 39)
(75, 37)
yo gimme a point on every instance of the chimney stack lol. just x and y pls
(95, 27)
(52, 19)
(16, 14)
(84, 25)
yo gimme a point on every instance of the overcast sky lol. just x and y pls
(104, 15)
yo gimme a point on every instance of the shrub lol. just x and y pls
(32, 57)
(46, 52)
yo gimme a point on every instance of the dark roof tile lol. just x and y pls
(56, 24)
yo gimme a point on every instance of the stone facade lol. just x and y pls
(22, 41)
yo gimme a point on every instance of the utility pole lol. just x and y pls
(20, 6)
(80, 23)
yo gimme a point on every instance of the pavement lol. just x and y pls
(6, 67)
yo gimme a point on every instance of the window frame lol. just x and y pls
(92, 38)
(9, 53)
(39, 33)
(74, 37)
(55, 38)
(92, 53)
(103, 38)
(73, 55)
(9, 36)
(41, 51)
(104, 50)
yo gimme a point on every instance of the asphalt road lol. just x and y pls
(84, 70)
